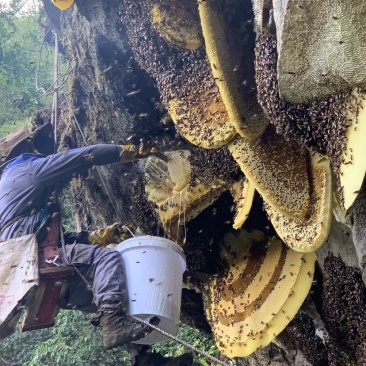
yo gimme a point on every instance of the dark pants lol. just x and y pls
(100, 282)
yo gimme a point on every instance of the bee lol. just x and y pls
(133, 93)
(143, 115)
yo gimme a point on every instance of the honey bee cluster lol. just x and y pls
(344, 295)
(302, 332)
(184, 80)
(320, 125)
(285, 152)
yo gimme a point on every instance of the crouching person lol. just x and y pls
(31, 172)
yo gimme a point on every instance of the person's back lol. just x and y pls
(27, 184)
(21, 203)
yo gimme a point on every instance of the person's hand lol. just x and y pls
(133, 153)
(112, 234)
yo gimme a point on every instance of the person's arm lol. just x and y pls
(63, 165)
(112, 234)
(76, 237)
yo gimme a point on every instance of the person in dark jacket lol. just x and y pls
(30, 173)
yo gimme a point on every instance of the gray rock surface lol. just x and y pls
(321, 47)
(340, 244)
(359, 230)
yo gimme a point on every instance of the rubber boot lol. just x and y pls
(156, 359)
(118, 330)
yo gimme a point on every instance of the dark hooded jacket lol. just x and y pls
(27, 183)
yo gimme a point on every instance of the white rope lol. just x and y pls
(55, 91)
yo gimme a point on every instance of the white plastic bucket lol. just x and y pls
(154, 273)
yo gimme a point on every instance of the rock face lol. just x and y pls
(140, 71)
(321, 47)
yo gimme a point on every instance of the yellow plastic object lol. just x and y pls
(63, 4)
(353, 168)
(248, 125)
(243, 195)
(278, 171)
(310, 232)
(265, 280)
(176, 23)
(177, 199)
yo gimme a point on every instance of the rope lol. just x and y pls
(54, 118)
(88, 285)
(183, 343)
(55, 91)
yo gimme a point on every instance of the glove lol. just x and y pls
(112, 234)
(133, 153)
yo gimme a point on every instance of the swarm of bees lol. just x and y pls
(292, 155)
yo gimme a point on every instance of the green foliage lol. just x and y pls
(10, 127)
(21, 60)
(67, 208)
(75, 342)
(194, 338)
(17, 348)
